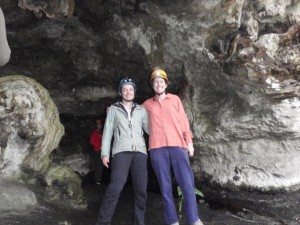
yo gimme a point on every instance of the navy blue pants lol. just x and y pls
(122, 163)
(162, 160)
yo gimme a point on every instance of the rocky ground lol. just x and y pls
(60, 214)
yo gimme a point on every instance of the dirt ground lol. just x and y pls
(59, 214)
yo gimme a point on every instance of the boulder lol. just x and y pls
(63, 181)
(16, 197)
(30, 127)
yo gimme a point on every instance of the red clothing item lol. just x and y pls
(168, 123)
(96, 140)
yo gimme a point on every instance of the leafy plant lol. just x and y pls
(180, 195)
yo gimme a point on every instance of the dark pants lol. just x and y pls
(122, 163)
(98, 167)
(163, 159)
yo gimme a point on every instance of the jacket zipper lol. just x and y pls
(133, 147)
(131, 128)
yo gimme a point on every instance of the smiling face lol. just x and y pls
(159, 85)
(127, 92)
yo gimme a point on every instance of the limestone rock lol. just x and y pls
(15, 197)
(30, 126)
(67, 178)
(79, 163)
(52, 9)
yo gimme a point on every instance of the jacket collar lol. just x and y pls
(121, 107)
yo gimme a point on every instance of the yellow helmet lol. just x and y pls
(158, 73)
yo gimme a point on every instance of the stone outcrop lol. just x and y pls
(30, 127)
(56, 8)
(63, 176)
(16, 197)
(79, 163)
(255, 129)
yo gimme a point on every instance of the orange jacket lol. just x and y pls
(168, 123)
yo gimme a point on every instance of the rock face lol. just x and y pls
(251, 141)
(235, 64)
(30, 127)
(55, 9)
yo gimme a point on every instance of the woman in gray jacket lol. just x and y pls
(126, 121)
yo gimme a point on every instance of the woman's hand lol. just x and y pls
(190, 149)
(105, 161)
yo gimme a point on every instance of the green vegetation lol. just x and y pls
(180, 195)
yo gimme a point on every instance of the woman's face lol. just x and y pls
(159, 85)
(127, 92)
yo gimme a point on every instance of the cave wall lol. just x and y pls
(235, 64)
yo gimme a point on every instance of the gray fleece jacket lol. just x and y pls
(128, 134)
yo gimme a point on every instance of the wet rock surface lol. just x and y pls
(60, 213)
(281, 207)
